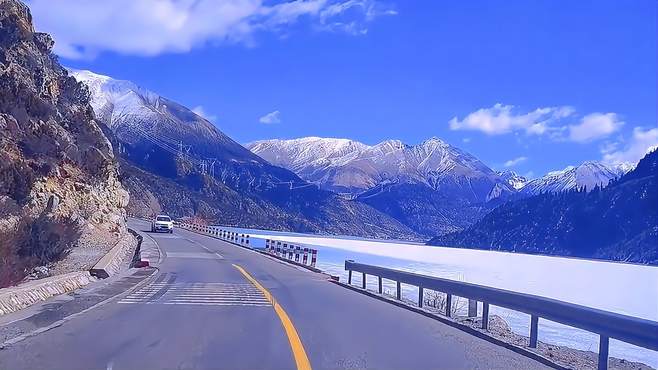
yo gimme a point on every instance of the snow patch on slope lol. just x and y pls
(585, 176)
(352, 166)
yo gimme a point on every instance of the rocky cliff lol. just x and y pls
(59, 189)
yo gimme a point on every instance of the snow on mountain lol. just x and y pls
(515, 180)
(167, 147)
(585, 176)
(135, 113)
(350, 166)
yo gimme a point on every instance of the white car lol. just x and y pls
(162, 223)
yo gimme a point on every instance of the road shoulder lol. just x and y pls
(54, 312)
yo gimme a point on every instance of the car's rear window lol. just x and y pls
(163, 218)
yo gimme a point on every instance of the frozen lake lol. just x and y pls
(623, 288)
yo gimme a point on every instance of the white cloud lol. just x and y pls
(515, 161)
(501, 119)
(82, 29)
(635, 149)
(595, 126)
(466, 140)
(332, 19)
(549, 121)
(199, 110)
(271, 118)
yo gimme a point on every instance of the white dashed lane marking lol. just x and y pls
(212, 256)
(204, 294)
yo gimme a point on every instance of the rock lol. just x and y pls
(44, 41)
(58, 170)
(39, 272)
(53, 202)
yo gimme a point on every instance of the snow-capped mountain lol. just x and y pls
(169, 149)
(585, 176)
(619, 222)
(135, 113)
(350, 166)
(431, 187)
(515, 180)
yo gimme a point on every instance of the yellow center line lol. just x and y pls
(295, 342)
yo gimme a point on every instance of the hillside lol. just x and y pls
(618, 222)
(432, 187)
(177, 162)
(59, 189)
(587, 176)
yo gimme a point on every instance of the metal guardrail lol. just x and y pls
(629, 329)
(217, 232)
(303, 256)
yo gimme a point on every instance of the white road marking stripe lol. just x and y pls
(202, 304)
(216, 295)
(198, 293)
(220, 304)
(210, 255)
(219, 300)
(212, 298)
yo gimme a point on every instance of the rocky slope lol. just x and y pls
(618, 222)
(179, 163)
(350, 166)
(585, 176)
(432, 187)
(514, 180)
(59, 188)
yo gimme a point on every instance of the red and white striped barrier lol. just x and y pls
(293, 253)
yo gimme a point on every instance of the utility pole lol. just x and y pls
(212, 166)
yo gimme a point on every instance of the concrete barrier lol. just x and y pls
(16, 298)
(26, 294)
(111, 262)
(149, 253)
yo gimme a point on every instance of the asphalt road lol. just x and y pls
(199, 311)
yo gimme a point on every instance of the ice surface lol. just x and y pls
(623, 288)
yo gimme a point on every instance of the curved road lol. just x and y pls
(200, 311)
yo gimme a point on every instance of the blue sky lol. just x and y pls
(537, 85)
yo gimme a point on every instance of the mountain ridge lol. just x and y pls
(617, 222)
(430, 187)
(587, 175)
(166, 146)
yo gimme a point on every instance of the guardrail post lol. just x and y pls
(449, 305)
(399, 291)
(380, 284)
(534, 324)
(420, 296)
(363, 282)
(485, 315)
(314, 257)
(349, 277)
(604, 343)
(472, 308)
